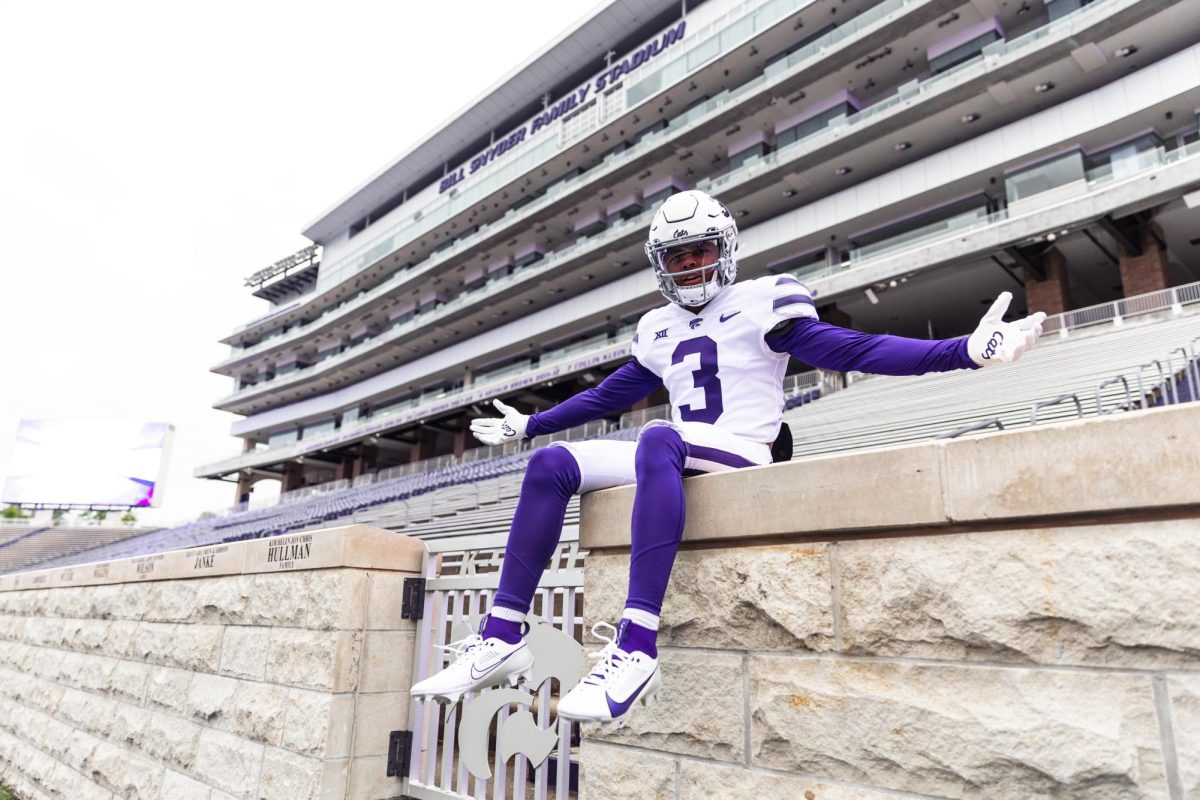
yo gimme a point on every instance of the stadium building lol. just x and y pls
(908, 160)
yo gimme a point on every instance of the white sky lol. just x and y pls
(152, 155)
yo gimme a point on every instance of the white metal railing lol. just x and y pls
(764, 14)
(480, 295)
(992, 57)
(379, 247)
(721, 36)
(1173, 299)
(1151, 161)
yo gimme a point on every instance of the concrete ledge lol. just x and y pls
(351, 546)
(1139, 461)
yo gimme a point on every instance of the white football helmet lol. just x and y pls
(692, 228)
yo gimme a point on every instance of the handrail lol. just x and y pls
(974, 426)
(1062, 398)
(1127, 405)
(1173, 382)
(1141, 389)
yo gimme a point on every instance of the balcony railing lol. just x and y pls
(716, 39)
(480, 295)
(1117, 311)
(385, 242)
(993, 56)
(478, 392)
(1099, 179)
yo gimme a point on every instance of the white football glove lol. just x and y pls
(996, 341)
(509, 428)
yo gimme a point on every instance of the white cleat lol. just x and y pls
(615, 683)
(481, 663)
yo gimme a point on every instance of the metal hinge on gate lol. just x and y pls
(414, 599)
(399, 750)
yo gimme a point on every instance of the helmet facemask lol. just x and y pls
(715, 273)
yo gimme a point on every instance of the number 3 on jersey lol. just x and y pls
(704, 378)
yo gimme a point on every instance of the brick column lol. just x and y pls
(293, 476)
(368, 456)
(245, 485)
(1053, 295)
(345, 469)
(425, 446)
(833, 315)
(1147, 272)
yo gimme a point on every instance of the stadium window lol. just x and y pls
(1060, 8)
(746, 153)
(661, 125)
(523, 200)
(944, 217)
(947, 54)
(782, 54)
(315, 429)
(387, 207)
(282, 438)
(1027, 181)
(789, 133)
(801, 263)
(1122, 159)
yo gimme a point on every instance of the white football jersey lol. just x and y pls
(715, 364)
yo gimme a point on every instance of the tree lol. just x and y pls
(56, 516)
(129, 519)
(100, 517)
(14, 512)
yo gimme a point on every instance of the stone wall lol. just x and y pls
(271, 669)
(1013, 615)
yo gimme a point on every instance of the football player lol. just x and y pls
(721, 350)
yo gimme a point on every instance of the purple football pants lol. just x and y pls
(658, 514)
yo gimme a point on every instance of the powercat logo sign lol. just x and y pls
(555, 655)
(568, 103)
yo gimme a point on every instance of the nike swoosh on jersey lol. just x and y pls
(725, 317)
(617, 709)
(477, 675)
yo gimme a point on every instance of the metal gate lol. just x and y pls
(461, 576)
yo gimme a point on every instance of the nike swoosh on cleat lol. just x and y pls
(618, 709)
(476, 676)
(725, 317)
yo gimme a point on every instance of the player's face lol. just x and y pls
(690, 259)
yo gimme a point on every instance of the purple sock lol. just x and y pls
(551, 477)
(632, 637)
(506, 630)
(658, 511)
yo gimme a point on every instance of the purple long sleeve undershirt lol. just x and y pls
(826, 346)
(816, 343)
(630, 383)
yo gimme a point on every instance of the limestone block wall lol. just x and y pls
(1014, 615)
(271, 669)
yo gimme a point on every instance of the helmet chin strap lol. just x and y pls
(699, 294)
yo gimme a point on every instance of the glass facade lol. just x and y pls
(1044, 176)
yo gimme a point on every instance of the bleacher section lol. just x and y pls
(343, 506)
(478, 495)
(877, 410)
(20, 549)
